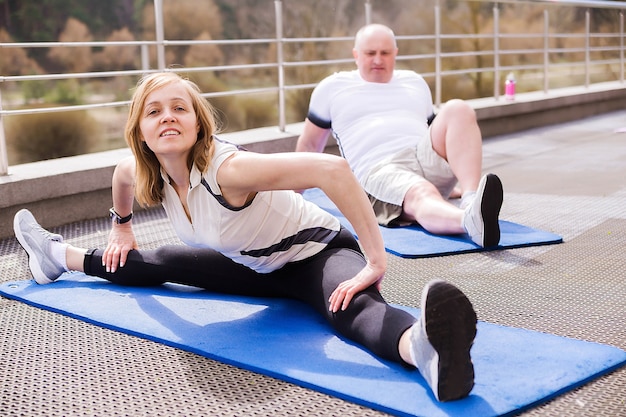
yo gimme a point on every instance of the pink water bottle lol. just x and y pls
(509, 87)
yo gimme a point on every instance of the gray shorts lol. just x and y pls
(390, 179)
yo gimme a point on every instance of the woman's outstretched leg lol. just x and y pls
(199, 267)
(49, 257)
(368, 320)
(437, 343)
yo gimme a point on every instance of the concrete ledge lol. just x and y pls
(66, 190)
(59, 191)
(537, 109)
(267, 139)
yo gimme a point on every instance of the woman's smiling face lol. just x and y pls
(168, 124)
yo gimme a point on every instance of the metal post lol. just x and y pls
(4, 160)
(145, 58)
(437, 53)
(587, 46)
(368, 12)
(621, 46)
(496, 51)
(546, 47)
(160, 37)
(278, 9)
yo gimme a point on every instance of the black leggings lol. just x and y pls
(368, 320)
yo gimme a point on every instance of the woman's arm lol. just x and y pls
(249, 172)
(122, 238)
(123, 186)
(312, 139)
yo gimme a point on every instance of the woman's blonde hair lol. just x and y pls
(148, 181)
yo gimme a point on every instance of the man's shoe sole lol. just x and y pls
(490, 210)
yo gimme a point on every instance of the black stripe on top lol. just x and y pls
(314, 234)
(318, 121)
(220, 198)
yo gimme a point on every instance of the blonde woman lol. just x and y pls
(246, 232)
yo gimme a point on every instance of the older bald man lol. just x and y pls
(408, 161)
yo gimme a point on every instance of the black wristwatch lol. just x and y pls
(119, 219)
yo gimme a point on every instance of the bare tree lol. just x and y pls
(183, 20)
(74, 59)
(15, 61)
(118, 57)
(203, 55)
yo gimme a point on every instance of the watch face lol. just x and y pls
(115, 216)
(118, 219)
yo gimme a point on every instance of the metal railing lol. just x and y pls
(586, 52)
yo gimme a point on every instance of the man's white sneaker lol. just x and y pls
(442, 338)
(480, 218)
(37, 243)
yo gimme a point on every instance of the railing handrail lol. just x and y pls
(281, 63)
(595, 4)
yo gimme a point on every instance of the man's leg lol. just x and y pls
(456, 137)
(456, 148)
(425, 205)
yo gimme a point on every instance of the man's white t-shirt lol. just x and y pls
(372, 120)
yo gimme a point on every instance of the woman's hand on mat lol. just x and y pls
(121, 241)
(343, 294)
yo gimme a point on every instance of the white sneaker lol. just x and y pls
(37, 242)
(466, 199)
(442, 338)
(480, 218)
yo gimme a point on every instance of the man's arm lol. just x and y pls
(313, 138)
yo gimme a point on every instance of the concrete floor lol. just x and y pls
(569, 179)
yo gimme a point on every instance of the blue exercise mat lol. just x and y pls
(515, 368)
(415, 242)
